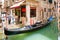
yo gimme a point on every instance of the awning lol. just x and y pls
(17, 5)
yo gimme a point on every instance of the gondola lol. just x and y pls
(29, 28)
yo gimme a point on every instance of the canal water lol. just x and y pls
(47, 33)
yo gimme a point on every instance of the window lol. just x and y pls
(44, 0)
(17, 12)
(59, 17)
(23, 11)
(13, 0)
(50, 1)
(6, 3)
(59, 10)
(33, 12)
(59, 6)
(44, 9)
(54, 3)
(47, 14)
(49, 10)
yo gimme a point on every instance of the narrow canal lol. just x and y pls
(47, 33)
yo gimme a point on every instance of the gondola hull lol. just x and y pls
(9, 32)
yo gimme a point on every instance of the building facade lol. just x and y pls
(38, 10)
(0, 8)
(58, 4)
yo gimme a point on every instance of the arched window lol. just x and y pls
(50, 1)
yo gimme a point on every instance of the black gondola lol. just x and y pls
(29, 28)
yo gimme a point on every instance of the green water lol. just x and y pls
(47, 33)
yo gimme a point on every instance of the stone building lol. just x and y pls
(0, 8)
(58, 17)
(38, 10)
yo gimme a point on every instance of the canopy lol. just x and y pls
(16, 5)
